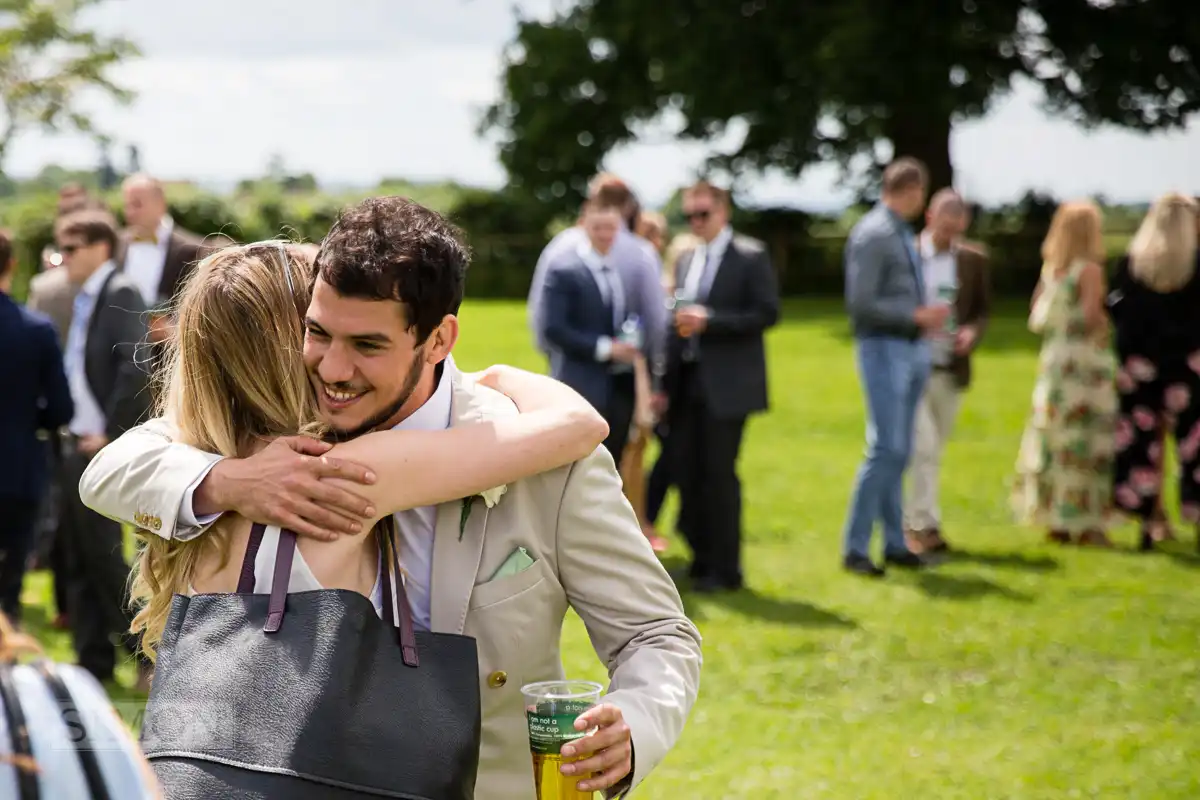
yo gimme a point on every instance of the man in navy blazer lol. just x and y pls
(584, 306)
(36, 398)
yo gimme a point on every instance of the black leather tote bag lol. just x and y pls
(310, 695)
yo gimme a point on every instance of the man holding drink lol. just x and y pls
(892, 320)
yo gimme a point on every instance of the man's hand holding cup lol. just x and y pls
(932, 318)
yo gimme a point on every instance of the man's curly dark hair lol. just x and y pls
(390, 248)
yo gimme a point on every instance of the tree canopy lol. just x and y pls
(826, 80)
(47, 60)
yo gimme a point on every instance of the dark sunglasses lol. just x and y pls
(698, 216)
(68, 249)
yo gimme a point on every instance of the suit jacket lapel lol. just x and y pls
(171, 268)
(724, 269)
(456, 553)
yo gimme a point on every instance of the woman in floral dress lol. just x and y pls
(1154, 302)
(1065, 464)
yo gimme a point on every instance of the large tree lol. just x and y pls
(48, 61)
(826, 80)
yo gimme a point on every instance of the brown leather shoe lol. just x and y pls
(1058, 537)
(1098, 539)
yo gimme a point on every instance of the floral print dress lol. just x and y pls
(1065, 462)
(1158, 344)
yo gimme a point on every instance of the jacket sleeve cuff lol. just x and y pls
(187, 524)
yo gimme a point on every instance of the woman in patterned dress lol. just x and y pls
(1065, 464)
(1155, 298)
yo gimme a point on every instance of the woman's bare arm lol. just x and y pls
(556, 427)
(1092, 294)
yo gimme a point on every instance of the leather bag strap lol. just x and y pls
(246, 578)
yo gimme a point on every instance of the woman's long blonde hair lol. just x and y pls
(1076, 234)
(1162, 254)
(233, 377)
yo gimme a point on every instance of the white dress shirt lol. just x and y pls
(89, 417)
(706, 260)
(414, 526)
(941, 286)
(144, 262)
(611, 290)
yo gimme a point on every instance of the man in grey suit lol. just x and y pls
(108, 387)
(885, 295)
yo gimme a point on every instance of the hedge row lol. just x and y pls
(507, 233)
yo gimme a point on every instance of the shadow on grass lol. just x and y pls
(781, 611)
(966, 587)
(1018, 561)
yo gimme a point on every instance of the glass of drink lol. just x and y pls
(551, 708)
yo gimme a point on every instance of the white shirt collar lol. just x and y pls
(434, 413)
(928, 250)
(93, 283)
(165, 227)
(721, 240)
(590, 256)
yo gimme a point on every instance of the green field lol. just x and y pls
(1016, 670)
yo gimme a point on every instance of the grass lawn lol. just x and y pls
(1017, 670)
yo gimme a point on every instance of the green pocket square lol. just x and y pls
(518, 560)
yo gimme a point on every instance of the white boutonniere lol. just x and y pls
(490, 498)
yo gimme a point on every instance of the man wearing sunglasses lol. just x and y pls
(108, 388)
(727, 296)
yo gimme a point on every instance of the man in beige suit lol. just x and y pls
(390, 273)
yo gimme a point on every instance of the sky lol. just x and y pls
(362, 89)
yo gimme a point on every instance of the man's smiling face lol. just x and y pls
(363, 360)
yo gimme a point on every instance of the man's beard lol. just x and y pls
(393, 408)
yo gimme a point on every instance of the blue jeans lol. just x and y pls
(893, 374)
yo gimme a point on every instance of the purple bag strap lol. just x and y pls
(246, 579)
(408, 639)
(284, 555)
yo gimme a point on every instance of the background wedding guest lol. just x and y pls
(891, 318)
(1154, 298)
(652, 227)
(35, 399)
(108, 388)
(1065, 463)
(955, 271)
(728, 297)
(155, 254)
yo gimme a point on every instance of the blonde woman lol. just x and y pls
(1153, 303)
(236, 379)
(1065, 464)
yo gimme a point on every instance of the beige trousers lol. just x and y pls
(931, 430)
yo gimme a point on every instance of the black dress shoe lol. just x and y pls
(862, 565)
(711, 585)
(905, 560)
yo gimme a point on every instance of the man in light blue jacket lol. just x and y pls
(886, 299)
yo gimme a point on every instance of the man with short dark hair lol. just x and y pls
(379, 333)
(727, 298)
(36, 398)
(109, 391)
(891, 318)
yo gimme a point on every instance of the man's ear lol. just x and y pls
(442, 340)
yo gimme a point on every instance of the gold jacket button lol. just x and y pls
(497, 679)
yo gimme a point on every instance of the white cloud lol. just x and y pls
(354, 92)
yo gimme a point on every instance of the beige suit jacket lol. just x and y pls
(590, 555)
(53, 295)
